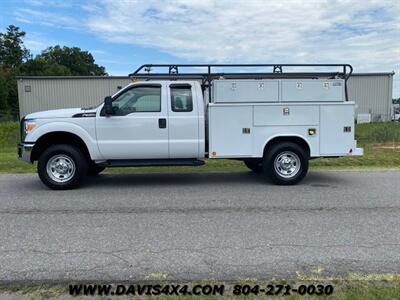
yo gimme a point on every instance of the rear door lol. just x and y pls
(183, 121)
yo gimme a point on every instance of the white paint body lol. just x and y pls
(243, 117)
(267, 121)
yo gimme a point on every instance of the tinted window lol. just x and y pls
(139, 99)
(181, 98)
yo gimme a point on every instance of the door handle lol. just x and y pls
(162, 123)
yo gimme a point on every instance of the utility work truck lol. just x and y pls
(274, 121)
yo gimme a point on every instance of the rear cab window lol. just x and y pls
(181, 98)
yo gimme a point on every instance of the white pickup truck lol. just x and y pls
(274, 122)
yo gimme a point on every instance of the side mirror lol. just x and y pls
(108, 110)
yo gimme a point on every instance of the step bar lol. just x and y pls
(150, 162)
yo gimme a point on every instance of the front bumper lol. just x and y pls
(24, 151)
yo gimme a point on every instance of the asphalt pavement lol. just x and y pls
(224, 226)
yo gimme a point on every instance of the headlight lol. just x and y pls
(29, 125)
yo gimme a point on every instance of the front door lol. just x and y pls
(138, 127)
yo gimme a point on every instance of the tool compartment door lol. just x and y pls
(246, 90)
(337, 129)
(312, 90)
(230, 131)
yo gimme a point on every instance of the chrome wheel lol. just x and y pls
(60, 168)
(287, 164)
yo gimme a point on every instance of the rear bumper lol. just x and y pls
(25, 151)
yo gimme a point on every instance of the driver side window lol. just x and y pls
(138, 99)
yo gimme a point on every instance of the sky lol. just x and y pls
(123, 34)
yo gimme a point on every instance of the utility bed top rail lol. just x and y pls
(172, 72)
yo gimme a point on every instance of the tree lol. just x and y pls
(12, 97)
(12, 55)
(3, 95)
(16, 60)
(40, 67)
(77, 61)
(62, 61)
(12, 50)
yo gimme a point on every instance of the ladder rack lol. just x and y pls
(277, 72)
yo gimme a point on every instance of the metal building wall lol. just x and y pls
(65, 92)
(372, 92)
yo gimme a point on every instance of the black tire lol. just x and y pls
(254, 165)
(286, 150)
(68, 153)
(94, 169)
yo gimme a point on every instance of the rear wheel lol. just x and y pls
(62, 167)
(286, 163)
(255, 165)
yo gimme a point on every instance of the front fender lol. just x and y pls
(60, 126)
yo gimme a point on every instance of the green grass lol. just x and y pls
(9, 163)
(9, 134)
(373, 137)
(378, 133)
(351, 290)
(375, 157)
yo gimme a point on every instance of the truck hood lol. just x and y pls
(59, 113)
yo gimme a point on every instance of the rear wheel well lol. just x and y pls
(293, 139)
(58, 137)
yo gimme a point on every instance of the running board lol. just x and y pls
(150, 162)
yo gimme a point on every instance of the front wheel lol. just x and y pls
(62, 167)
(286, 163)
